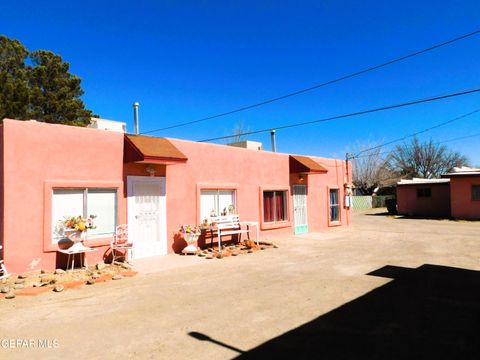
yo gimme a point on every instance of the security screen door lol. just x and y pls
(300, 209)
(147, 215)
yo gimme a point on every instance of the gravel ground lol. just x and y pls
(267, 303)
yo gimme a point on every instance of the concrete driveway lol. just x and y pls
(382, 288)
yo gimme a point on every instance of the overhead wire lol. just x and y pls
(357, 113)
(314, 87)
(414, 134)
(436, 143)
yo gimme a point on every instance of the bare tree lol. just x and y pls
(369, 171)
(238, 130)
(424, 159)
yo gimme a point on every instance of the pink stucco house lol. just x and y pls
(153, 185)
(455, 195)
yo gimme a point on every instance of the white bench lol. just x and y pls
(231, 225)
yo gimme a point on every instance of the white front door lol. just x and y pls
(147, 215)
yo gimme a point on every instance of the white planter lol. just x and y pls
(191, 239)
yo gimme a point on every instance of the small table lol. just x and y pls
(252, 223)
(77, 249)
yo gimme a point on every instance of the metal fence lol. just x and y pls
(367, 202)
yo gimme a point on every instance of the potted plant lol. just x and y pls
(190, 234)
(75, 227)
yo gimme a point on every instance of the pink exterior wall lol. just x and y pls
(438, 205)
(249, 172)
(37, 157)
(462, 205)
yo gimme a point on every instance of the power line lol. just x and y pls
(383, 108)
(416, 133)
(436, 143)
(314, 87)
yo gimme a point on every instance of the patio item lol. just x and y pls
(191, 239)
(3, 270)
(231, 225)
(78, 248)
(120, 243)
(190, 235)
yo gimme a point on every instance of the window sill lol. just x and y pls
(275, 225)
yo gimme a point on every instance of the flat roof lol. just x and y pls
(463, 171)
(421, 181)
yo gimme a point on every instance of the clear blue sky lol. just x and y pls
(184, 60)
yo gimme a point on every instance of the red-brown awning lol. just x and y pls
(305, 165)
(151, 150)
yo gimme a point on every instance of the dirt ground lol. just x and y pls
(382, 288)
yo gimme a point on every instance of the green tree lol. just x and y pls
(55, 93)
(44, 91)
(14, 89)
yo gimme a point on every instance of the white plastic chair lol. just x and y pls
(3, 270)
(120, 243)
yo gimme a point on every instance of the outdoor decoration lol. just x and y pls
(75, 228)
(190, 234)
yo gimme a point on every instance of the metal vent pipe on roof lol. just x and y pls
(272, 134)
(136, 105)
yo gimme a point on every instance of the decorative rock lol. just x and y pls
(117, 277)
(234, 254)
(95, 276)
(263, 247)
(49, 280)
(59, 272)
(90, 281)
(10, 295)
(100, 266)
(18, 286)
(42, 271)
(275, 246)
(4, 281)
(202, 254)
(250, 251)
(58, 288)
(20, 281)
(5, 289)
(22, 276)
(209, 256)
(40, 284)
(126, 266)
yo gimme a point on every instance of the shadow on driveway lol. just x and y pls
(428, 312)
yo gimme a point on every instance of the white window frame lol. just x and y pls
(85, 207)
(216, 201)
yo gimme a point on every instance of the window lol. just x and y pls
(275, 207)
(334, 205)
(424, 192)
(476, 192)
(74, 202)
(216, 203)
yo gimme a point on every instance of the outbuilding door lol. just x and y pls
(147, 215)
(300, 209)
